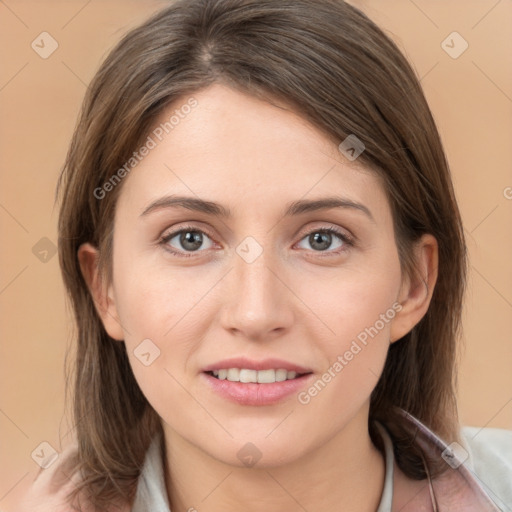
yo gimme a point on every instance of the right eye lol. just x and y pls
(189, 238)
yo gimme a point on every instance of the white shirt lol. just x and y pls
(489, 460)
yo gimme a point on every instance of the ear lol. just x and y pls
(416, 292)
(103, 296)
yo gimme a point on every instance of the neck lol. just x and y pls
(347, 469)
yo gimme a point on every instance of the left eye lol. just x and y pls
(322, 239)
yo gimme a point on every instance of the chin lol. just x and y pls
(257, 454)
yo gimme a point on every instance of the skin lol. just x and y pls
(294, 302)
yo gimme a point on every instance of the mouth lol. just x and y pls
(247, 381)
(256, 387)
(247, 375)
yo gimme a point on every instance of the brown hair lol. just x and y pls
(336, 68)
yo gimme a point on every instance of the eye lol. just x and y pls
(187, 239)
(322, 239)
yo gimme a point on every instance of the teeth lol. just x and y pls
(233, 375)
(260, 376)
(281, 375)
(266, 376)
(248, 376)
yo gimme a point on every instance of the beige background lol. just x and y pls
(471, 98)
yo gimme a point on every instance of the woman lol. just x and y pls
(266, 261)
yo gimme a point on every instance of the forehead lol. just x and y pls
(244, 152)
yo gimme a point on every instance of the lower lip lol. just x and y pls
(252, 393)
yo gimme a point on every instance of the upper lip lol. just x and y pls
(251, 364)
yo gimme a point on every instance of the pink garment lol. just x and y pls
(455, 490)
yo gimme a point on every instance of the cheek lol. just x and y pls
(357, 310)
(159, 337)
(161, 313)
(354, 302)
(155, 301)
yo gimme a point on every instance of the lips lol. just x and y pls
(250, 382)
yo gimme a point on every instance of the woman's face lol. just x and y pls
(254, 279)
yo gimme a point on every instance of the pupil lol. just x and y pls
(195, 240)
(316, 238)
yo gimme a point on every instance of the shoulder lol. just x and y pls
(489, 454)
(49, 489)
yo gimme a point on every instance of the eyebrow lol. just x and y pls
(294, 208)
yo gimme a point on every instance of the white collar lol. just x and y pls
(152, 494)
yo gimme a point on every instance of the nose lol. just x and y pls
(258, 305)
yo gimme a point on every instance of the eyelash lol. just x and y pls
(347, 241)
